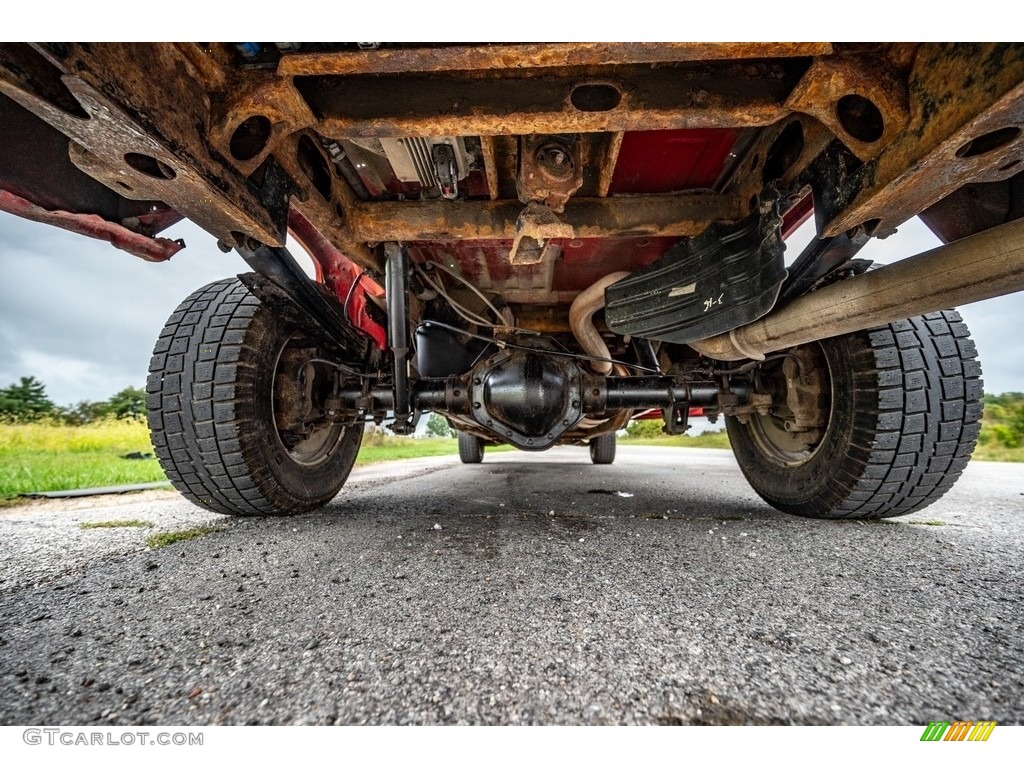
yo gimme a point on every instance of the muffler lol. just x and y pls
(982, 266)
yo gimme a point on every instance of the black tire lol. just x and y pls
(471, 448)
(602, 449)
(904, 413)
(210, 396)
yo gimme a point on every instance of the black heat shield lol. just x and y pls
(726, 277)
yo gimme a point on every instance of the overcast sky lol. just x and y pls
(82, 316)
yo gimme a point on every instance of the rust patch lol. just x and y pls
(490, 166)
(958, 94)
(865, 83)
(536, 225)
(211, 62)
(277, 101)
(607, 171)
(147, 102)
(550, 171)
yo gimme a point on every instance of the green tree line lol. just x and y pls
(26, 400)
(1003, 422)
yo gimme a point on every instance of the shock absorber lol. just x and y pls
(396, 280)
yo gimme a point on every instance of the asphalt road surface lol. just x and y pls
(528, 589)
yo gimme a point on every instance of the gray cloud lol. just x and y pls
(83, 316)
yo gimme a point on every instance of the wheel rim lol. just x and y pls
(769, 430)
(323, 440)
(777, 444)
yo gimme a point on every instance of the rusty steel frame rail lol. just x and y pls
(532, 55)
(163, 128)
(960, 96)
(982, 266)
(680, 215)
(558, 117)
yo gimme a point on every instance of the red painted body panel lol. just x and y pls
(143, 246)
(338, 272)
(579, 264)
(671, 161)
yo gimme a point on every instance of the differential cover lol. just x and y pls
(527, 398)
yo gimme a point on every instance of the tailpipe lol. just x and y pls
(982, 266)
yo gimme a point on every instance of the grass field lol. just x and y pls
(54, 457)
(705, 440)
(996, 452)
(391, 448)
(991, 451)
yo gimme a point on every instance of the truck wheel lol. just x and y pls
(224, 374)
(602, 449)
(872, 424)
(471, 448)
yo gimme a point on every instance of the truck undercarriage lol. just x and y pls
(543, 242)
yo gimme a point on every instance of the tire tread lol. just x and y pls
(197, 427)
(917, 391)
(471, 448)
(602, 449)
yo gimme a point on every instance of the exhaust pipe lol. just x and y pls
(581, 315)
(982, 266)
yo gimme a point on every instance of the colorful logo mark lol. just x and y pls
(958, 730)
